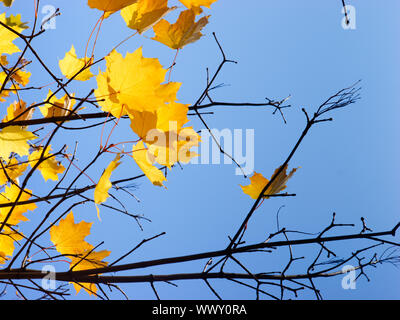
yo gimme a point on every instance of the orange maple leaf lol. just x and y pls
(184, 31)
(258, 182)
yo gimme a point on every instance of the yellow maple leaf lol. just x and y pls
(13, 86)
(21, 77)
(16, 23)
(18, 111)
(168, 117)
(109, 6)
(196, 4)
(7, 239)
(57, 107)
(104, 184)
(143, 14)
(258, 182)
(13, 169)
(187, 139)
(7, 37)
(184, 31)
(141, 156)
(9, 196)
(88, 260)
(18, 76)
(172, 116)
(49, 168)
(3, 93)
(143, 123)
(164, 134)
(3, 257)
(133, 83)
(175, 147)
(71, 65)
(14, 139)
(69, 237)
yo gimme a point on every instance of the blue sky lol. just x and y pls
(298, 48)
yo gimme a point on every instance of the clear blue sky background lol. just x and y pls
(286, 47)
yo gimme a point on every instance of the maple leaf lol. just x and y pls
(16, 23)
(71, 65)
(175, 147)
(164, 134)
(7, 239)
(57, 107)
(21, 77)
(110, 6)
(143, 123)
(184, 31)
(3, 60)
(3, 257)
(3, 93)
(141, 156)
(133, 83)
(18, 111)
(187, 139)
(196, 4)
(7, 37)
(7, 3)
(10, 234)
(9, 196)
(14, 139)
(88, 260)
(49, 168)
(143, 14)
(13, 169)
(169, 116)
(104, 184)
(168, 142)
(172, 116)
(69, 237)
(258, 182)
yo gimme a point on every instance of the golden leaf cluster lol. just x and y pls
(131, 86)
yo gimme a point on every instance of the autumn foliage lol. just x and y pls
(133, 91)
(131, 86)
